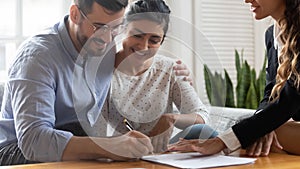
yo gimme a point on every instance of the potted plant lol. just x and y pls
(248, 91)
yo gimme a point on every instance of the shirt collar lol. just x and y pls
(277, 41)
(66, 39)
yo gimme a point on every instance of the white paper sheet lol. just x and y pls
(196, 160)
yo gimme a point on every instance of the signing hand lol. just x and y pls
(263, 145)
(182, 70)
(208, 147)
(132, 145)
(161, 133)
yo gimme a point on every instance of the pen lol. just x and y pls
(128, 125)
(130, 128)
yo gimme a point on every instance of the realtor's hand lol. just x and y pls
(132, 145)
(208, 147)
(263, 145)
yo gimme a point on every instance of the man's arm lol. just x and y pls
(182, 70)
(132, 145)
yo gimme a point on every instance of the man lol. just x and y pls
(61, 77)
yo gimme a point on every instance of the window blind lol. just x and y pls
(218, 28)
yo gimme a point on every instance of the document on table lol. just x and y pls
(196, 160)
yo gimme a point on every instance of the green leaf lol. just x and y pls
(251, 98)
(261, 81)
(229, 91)
(214, 87)
(243, 85)
(237, 63)
(207, 78)
(218, 90)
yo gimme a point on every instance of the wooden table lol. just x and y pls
(274, 161)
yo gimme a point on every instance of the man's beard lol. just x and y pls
(89, 45)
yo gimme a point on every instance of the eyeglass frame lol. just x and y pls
(104, 28)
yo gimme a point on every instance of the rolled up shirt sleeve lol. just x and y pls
(32, 102)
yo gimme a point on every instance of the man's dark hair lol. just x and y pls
(112, 5)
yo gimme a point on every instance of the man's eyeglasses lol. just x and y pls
(102, 29)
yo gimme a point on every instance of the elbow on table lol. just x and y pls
(35, 149)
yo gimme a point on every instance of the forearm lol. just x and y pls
(183, 121)
(270, 118)
(132, 145)
(82, 148)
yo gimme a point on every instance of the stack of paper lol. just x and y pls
(196, 160)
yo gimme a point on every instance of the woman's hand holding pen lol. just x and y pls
(132, 145)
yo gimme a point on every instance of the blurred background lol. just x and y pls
(201, 32)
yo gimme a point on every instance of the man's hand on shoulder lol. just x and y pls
(182, 70)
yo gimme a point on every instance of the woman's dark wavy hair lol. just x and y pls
(153, 10)
(289, 60)
(112, 5)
